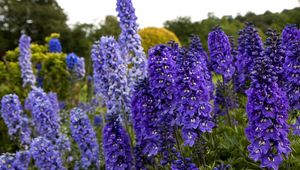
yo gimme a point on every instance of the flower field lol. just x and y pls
(235, 106)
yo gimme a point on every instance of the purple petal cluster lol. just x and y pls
(289, 34)
(276, 53)
(116, 144)
(76, 65)
(192, 97)
(196, 47)
(85, 137)
(18, 161)
(54, 101)
(220, 53)
(145, 124)
(44, 115)
(267, 129)
(45, 154)
(296, 127)
(161, 69)
(250, 46)
(183, 164)
(130, 41)
(54, 46)
(292, 66)
(15, 119)
(25, 61)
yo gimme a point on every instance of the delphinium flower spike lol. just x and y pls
(276, 52)
(54, 46)
(44, 115)
(130, 41)
(196, 47)
(76, 65)
(19, 160)
(161, 69)
(192, 97)
(54, 101)
(25, 61)
(267, 110)
(220, 53)
(15, 119)
(45, 154)
(116, 142)
(85, 137)
(291, 43)
(145, 124)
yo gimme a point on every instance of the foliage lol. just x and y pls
(152, 36)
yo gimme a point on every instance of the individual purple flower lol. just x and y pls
(145, 124)
(54, 46)
(85, 137)
(19, 160)
(220, 53)
(15, 119)
(76, 65)
(116, 144)
(196, 47)
(161, 69)
(44, 115)
(130, 41)
(45, 154)
(193, 97)
(222, 167)
(25, 61)
(276, 53)
(292, 68)
(296, 127)
(98, 122)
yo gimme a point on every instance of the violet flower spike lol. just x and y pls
(54, 46)
(19, 160)
(25, 61)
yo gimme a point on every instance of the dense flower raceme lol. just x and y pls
(85, 137)
(267, 129)
(196, 47)
(193, 97)
(76, 65)
(292, 70)
(276, 53)
(144, 114)
(44, 115)
(25, 61)
(130, 42)
(18, 161)
(15, 119)
(289, 34)
(116, 144)
(161, 69)
(220, 53)
(54, 46)
(45, 154)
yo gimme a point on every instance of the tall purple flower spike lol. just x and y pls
(130, 41)
(25, 61)
(85, 137)
(19, 160)
(15, 119)
(220, 53)
(54, 46)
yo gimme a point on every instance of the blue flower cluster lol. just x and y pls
(183, 163)
(130, 42)
(54, 101)
(267, 110)
(18, 161)
(44, 115)
(196, 47)
(25, 61)
(85, 137)
(193, 97)
(291, 42)
(276, 53)
(145, 124)
(220, 53)
(45, 154)
(15, 119)
(76, 65)
(116, 144)
(54, 46)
